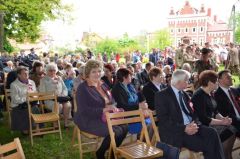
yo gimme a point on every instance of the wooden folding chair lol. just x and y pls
(52, 117)
(86, 142)
(12, 150)
(8, 105)
(138, 149)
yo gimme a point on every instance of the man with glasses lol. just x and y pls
(228, 98)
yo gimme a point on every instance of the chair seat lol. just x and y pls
(90, 136)
(139, 150)
(47, 117)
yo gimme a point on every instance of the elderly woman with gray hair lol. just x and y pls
(53, 83)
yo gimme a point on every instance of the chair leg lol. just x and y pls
(80, 144)
(74, 135)
(59, 128)
(30, 131)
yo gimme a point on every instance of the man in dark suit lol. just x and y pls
(156, 84)
(228, 98)
(177, 121)
(154, 57)
(144, 74)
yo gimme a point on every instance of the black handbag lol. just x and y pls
(169, 152)
(63, 99)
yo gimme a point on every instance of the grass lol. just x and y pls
(48, 147)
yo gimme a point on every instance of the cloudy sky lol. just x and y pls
(113, 18)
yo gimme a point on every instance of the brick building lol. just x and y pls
(199, 25)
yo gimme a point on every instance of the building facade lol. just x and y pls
(199, 25)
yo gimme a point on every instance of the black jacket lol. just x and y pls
(149, 91)
(224, 105)
(170, 120)
(121, 97)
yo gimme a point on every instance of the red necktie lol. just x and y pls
(235, 104)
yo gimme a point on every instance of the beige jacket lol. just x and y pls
(179, 57)
(233, 57)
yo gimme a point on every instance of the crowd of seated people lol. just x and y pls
(192, 111)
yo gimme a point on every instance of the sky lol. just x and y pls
(113, 18)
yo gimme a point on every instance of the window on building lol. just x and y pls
(172, 30)
(179, 30)
(186, 30)
(193, 30)
(201, 29)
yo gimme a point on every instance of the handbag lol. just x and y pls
(63, 99)
(169, 152)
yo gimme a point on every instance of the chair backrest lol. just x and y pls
(156, 136)
(128, 118)
(14, 147)
(7, 97)
(41, 97)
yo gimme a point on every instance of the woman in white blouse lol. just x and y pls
(54, 83)
(19, 89)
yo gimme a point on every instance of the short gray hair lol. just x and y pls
(179, 75)
(51, 66)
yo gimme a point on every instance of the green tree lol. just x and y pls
(108, 46)
(128, 45)
(23, 18)
(237, 31)
(160, 39)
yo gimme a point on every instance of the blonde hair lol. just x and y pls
(91, 64)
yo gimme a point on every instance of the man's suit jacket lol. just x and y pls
(144, 77)
(170, 120)
(153, 57)
(225, 106)
(149, 91)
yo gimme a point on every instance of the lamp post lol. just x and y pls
(1, 31)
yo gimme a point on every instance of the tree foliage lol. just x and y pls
(23, 18)
(237, 32)
(160, 39)
(122, 45)
(127, 44)
(108, 46)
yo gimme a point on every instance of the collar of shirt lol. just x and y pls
(225, 90)
(157, 85)
(175, 90)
